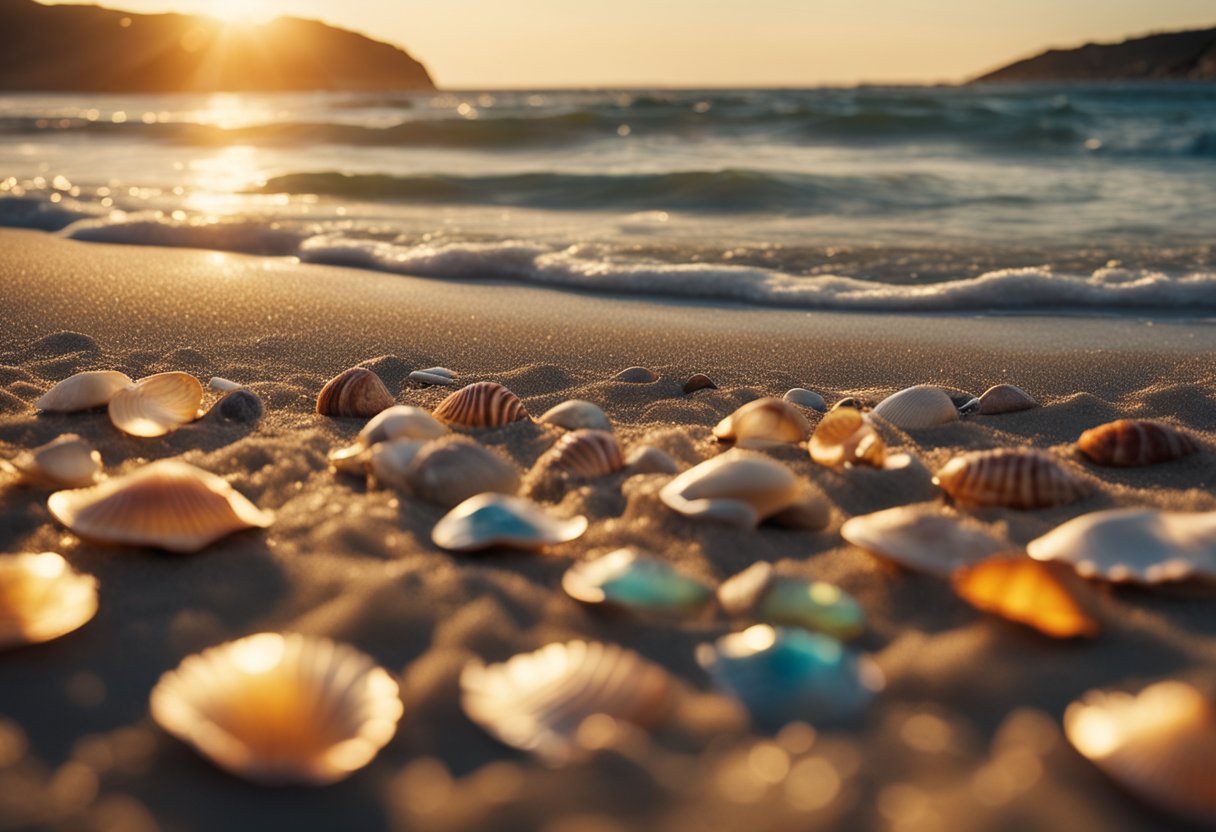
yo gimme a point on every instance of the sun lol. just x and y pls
(242, 12)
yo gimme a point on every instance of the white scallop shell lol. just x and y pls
(450, 470)
(397, 422)
(917, 407)
(83, 391)
(490, 520)
(440, 376)
(922, 538)
(1005, 398)
(736, 488)
(575, 414)
(806, 398)
(42, 598)
(762, 422)
(156, 405)
(65, 462)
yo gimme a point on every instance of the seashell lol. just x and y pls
(537, 701)
(584, 454)
(575, 414)
(1011, 477)
(1135, 545)
(968, 407)
(758, 592)
(42, 598)
(810, 512)
(156, 405)
(635, 580)
(1026, 591)
(736, 488)
(223, 385)
(397, 422)
(441, 376)
(449, 471)
(845, 437)
(1159, 745)
(387, 462)
(806, 398)
(922, 539)
(240, 405)
(1005, 398)
(485, 404)
(167, 505)
(917, 407)
(354, 392)
(647, 459)
(848, 401)
(786, 675)
(763, 422)
(699, 381)
(490, 520)
(66, 462)
(83, 391)
(280, 708)
(636, 375)
(1129, 442)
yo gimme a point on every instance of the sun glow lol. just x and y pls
(238, 12)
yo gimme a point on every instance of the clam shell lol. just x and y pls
(584, 454)
(280, 709)
(156, 405)
(845, 436)
(440, 376)
(397, 422)
(354, 392)
(450, 470)
(65, 462)
(167, 505)
(699, 381)
(387, 462)
(922, 539)
(42, 598)
(537, 701)
(1026, 591)
(762, 422)
(806, 398)
(83, 391)
(917, 407)
(1159, 745)
(851, 402)
(1135, 545)
(1129, 442)
(634, 580)
(1005, 398)
(485, 404)
(737, 488)
(1011, 477)
(575, 414)
(636, 375)
(647, 459)
(758, 592)
(491, 520)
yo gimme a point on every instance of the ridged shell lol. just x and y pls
(493, 520)
(485, 404)
(397, 422)
(537, 701)
(83, 391)
(167, 505)
(637, 581)
(1026, 591)
(647, 459)
(354, 392)
(699, 381)
(1129, 442)
(156, 405)
(923, 539)
(584, 454)
(450, 470)
(440, 376)
(844, 436)
(1005, 398)
(763, 422)
(1159, 745)
(42, 598)
(1011, 477)
(65, 462)
(758, 592)
(280, 709)
(576, 414)
(736, 488)
(917, 407)
(806, 398)
(636, 375)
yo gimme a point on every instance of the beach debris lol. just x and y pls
(762, 423)
(1022, 478)
(736, 488)
(636, 375)
(492, 520)
(538, 701)
(1134, 545)
(156, 405)
(240, 405)
(397, 422)
(1005, 398)
(445, 471)
(166, 505)
(647, 459)
(485, 404)
(917, 407)
(575, 414)
(1158, 744)
(1133, 442)
(635, 580)
(921, 538)
(1026, 591)
(845, 437)
(848, 402)
(699, 381)
(280, 708)
(42, 598)
(806, 398)
(64, 462)
(83, 391)
(583, 454)
(438, 376)
(784, 675)
(354, 392)
(223, 385)
(759, 593)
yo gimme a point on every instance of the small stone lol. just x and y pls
(240, 405)
(806, 398)
(440, 376)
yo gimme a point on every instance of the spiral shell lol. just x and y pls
(737, 488)
(845, 436)
(83, 391)
(354, 392)
(491, 520)
(1129, 442)
(65, 462)
(1026, 591)
(584, 454)
(762, 422)
(1005, 398)
(575, 414)
(42, 598)
(450, 470)
(917, 407)
(485, 404)
(156, 405)
(1011, 477)
(922, 538)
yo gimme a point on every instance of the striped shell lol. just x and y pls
(280, 709)
(737, 488)
(575, 414)
(1129, 442)
(845, 436)
(584, 454)
(1005, 398)
(763, 422)
(450, 470)
(397, 422)
(42, 598)
(917, 407)
(485, 404)
(1026, 591)
(1010, 477)
(83, 391)
(538, 701)
(759, 593)
(156, 405)
(922, 538)
(354, 392)
(635, 580)
(499, 520)
(636, 375)
(65, 462)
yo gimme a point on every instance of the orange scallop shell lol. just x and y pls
(355, 392)
(1130, 442)
(1010, 477)
(485, 404)
(1026, 591)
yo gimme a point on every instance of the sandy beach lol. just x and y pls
(966, 734)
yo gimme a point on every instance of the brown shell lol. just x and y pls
(1130, 442)
(584, 454)
(485, 404)
(1010, 477)
(636, 375)
(844, 435)
(1005, 398)
(699, 381)
(764, 421)
(450, 470)
(355, 392)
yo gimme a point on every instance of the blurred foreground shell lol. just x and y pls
(758, 592)
(397, 422)
(1026, 591)
(354, 392)
(538, 701)
(584, 455)
(737, 488)
(1005, 398)
(1159, 745)
(1011, 477)
(647, 459)
(634, 580)
(845, 436)
(916, 407)
(167, 505)
(699, 381)
(922, 538)
(806, 398)
(386, 463)
(83, 391)
(636, 375)
(281, 709)
(440, 376)
(490, 520)
(485, 404)
(763, 422)
(1129, 442)
(65, 462)
(450, 470)
(156, 405)
(575, 414)
(42, 598)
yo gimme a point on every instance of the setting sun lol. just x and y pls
(243, 12)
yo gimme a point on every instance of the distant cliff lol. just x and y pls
(1187, 55)
(90, 49)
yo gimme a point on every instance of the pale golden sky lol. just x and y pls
(560, 43)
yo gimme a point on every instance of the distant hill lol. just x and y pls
(1189, 55)
(90, 49)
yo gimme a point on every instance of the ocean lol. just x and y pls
(1044, 198)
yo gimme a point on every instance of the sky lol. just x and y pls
(713, 43)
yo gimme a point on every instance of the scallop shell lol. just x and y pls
(493, 520)
(923, 539)
(167, 505)
(699, 381)
(763, 422)
(83, 391)
(1159, 745)
(1005, 398)
(537, 701)
(845, 436)
(485, 404)
(584, 454)
(1011, 477)
(397, 422)
(450, 470)
(636, 375)
(440, 376)
(917, 407)
(635, 580)
(758, 592)
(575, 414)
(156, 405)
(806, 398)
(736, 488)
(42, 598)
(1129, 442)
(1026, 591)
(1134, 545)
(280, 709)
(354, 392)
(647, 459)
(786, 675)
(65, 462)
